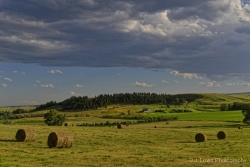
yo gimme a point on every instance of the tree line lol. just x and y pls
(234, 106)
(103, 100)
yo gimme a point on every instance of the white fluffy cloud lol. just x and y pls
(4, 85)
(232, 84)
(246, 84)
(186, 75)
(75, 94)
(77, 86)
(48, 86)
(55, 71)
(8, 79)
(143, 84)
(164, 81)
(210, 84)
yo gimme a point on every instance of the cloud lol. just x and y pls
(176, 81)
(27, 102)
(75, 94)
(55, 71)
(246, 84)
(232, 84)
(77, 86)
(202, 37)
(8, 79)
(138, 84)
(23, 73)
(38, 81)
(4, 85)
(186, 75)
(164, 81)
(47, 86)
(210, 84)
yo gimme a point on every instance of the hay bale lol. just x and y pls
(167, 122)
(200, 137)
(240, 127)
(120, 126)
(221, 135)
(25, 135)
(67, 124)
(155, 126)
(59, 140)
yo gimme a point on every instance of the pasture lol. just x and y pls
(137, 145)
(143, 145)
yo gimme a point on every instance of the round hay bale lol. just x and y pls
(155, 126)
(25, 135)
(120, 126)
(59, 140)
(200, 137)
(221, 135)
(67, 124)
(167, 122)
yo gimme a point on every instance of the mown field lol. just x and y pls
(140, 145)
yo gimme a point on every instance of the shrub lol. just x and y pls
(19, 111)
(179, 111)
(160, 111)
(7, 122)
(53, 118)
(246, 113)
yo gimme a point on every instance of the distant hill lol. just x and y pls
(246, 93)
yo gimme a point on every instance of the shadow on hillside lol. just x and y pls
(5, 140)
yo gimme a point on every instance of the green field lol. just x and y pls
(137, 145)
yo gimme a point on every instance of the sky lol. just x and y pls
(51, 50)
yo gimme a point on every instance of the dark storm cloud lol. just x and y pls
(209, 37)
(244, 29)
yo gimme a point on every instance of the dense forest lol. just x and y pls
(86, 103)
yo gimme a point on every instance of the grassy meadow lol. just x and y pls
(137, 145)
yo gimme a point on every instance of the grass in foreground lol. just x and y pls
(136, 145)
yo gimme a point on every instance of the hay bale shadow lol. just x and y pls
(6, 140)
(212, 139)
(186, 142)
